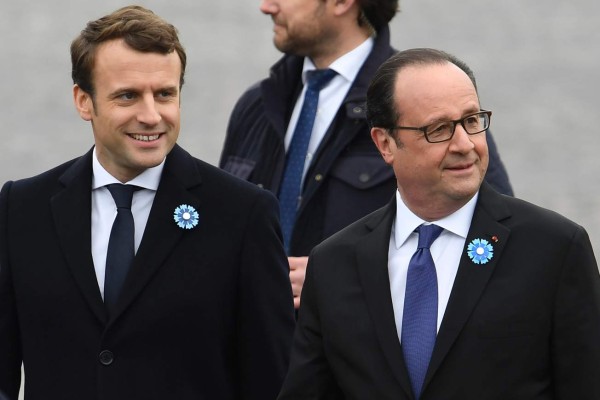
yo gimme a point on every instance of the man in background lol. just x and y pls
(137, 271)
(305, 138)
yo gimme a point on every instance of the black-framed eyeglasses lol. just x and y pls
(444, 130)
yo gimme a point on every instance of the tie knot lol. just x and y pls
(427, 235)
(122, 194)
(318, 78)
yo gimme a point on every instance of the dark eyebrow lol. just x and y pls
(121, 91)
(472, 111)
(441, 120)
(169, 89)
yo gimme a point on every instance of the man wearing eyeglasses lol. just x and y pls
(342, 177)
(452, 291)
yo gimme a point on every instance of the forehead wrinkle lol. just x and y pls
(442, 114)
(126, 67)
(428, 91)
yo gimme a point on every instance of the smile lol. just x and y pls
(144, 138)
(460, 167)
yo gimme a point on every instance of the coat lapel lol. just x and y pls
(471, 278)
(372, 259)
(161, 234)
(72, 210)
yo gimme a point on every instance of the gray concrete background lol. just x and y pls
(537, 64)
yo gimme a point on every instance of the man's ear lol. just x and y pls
(383, 142)
(342, 6)
(83, 103)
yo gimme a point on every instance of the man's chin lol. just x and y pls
(464, 191)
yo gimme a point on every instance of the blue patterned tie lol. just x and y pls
(419, 321)
(290, 190)
(121, 244)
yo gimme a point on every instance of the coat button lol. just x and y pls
(364, 177)
(106, 357)
(318, 177)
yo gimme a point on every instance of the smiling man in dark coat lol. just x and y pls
(204, 310)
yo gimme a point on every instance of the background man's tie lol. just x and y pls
(419, 321)
(121, 245)
(290, 190)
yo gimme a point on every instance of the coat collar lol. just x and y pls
(284, 84)
(72, 217)
(372, 261)
(72, 210)
(161, 235)
(470, 282)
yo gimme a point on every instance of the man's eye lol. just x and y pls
(472, 120)
(440, 128)
(166, 93)
(126, 96)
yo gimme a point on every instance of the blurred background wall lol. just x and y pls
(537, 65)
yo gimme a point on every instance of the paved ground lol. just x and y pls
(537, 65)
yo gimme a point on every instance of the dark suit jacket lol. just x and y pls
(347, 178)
(526, 325)
(205, 313)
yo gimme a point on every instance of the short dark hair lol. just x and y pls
(377, 12)
(140, 28)
(381, 105)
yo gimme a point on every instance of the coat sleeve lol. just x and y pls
(309, 375)
(230, 136)
(496, 174)
(238, 124)
(575, 345)
(266, 316)
(10, 347)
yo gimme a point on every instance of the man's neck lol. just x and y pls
(347, 41)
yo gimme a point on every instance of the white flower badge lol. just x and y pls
(186, 216)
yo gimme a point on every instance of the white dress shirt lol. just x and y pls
(446, 251)
(330, 97)
(104, 210)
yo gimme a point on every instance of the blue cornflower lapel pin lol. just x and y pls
(480, 251)
(186, 216)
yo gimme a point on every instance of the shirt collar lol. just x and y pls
(347, 65)
(149, 179)
(406, 221)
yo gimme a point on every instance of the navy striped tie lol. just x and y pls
(290, 190)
